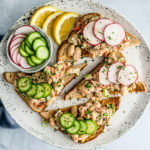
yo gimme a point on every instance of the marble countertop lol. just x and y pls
(138, 12)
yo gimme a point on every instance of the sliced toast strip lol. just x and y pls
(138, 86)
(115, 101)
(36, 105)
(86, 50)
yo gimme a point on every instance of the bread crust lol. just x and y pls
(62, 51)
(74, 94)
(10, 77)
(114, 100)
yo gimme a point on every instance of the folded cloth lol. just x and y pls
(5, 119)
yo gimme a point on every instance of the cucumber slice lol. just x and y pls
(48, 89)
(44, 40)
(36, 60)
(27, 43)
(83, 127)
(38, 42)
(28, 50)
(32, 36)
(32, 91)
(40, 91)
(75, 128)
(23, 44)
(42, 52)
(92, 126)
(22, 52)
(30, 62)
(24, 84)
(66, 120)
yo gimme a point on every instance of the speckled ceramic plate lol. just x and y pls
(131, 107)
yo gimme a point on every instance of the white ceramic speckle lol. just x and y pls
(131, 107)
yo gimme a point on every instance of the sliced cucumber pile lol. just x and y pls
(73, 126)
(33, 90)
(34, 48)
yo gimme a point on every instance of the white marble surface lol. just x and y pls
(138, 12)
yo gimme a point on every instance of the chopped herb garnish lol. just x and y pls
(70, 98)
(120, 45)
(54, 73)
(130, 72)
(78, 99)
(87, 112)
(87, 39)
(99, 117)
(85, 61)
(103, 42)
(88, 85)
(105, 114)
(59, 85)
(113, 32)
(92, 59)
(100, 32)
(104, 70)
(109, 37)
(119, 67)
(72, 62)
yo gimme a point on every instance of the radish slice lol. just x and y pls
(18, 36)
(24, 64)
(114, 34)
(11, 51)
(127, 75)
(26, 29)
(113, 72)
(14, 57)
(13, 43)
(19, 57)
(103, 79)
(99, 27)
(88, 34)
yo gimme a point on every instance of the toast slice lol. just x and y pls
(38, 105)
(99, 105)
(80, 90)
(81, 48)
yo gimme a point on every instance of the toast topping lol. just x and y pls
(82, 121)
(95, 84)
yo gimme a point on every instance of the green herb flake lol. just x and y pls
(59, 85)
(119, 67)
(72, 62)
(54, 73)
(88, 86)
(105, 114)
(109, 37)
(70, 98)
(87, 39)
(100, 32)
(44, 123)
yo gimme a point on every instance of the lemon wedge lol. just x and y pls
(63, 25)
(47, 25)
(41, 15)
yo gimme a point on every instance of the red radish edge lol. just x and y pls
(16, 43)
(18, 36)
(19, 59)
(24, 26)
(104, 32)
(118, 71)
(136, 77)
(15, 61)
(14, 49)
(104, 28)
(93, 34)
